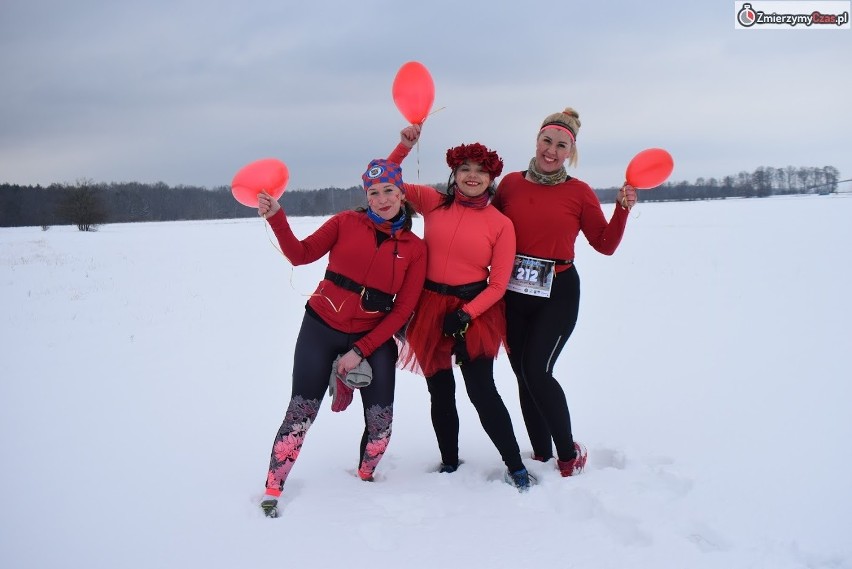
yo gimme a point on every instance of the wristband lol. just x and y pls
(358, 352)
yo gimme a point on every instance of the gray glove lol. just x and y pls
(341, 390)
(359, 376)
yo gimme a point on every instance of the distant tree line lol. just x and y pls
(761, 183)
(87, 204)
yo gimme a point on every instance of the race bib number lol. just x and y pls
(532, 276)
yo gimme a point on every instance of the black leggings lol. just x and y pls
(537, 330)
(479, 381)
(316, 348)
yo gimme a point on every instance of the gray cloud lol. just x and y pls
(186, 92)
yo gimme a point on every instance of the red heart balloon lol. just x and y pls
(413, 92)
(649, 168)
(268, 174)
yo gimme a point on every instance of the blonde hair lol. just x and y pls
(568, 119)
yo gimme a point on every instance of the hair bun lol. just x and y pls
(569, 119)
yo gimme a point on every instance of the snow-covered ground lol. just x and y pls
(143, 381)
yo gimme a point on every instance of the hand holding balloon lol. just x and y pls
(267, 206)
(626, 196)
(410, 135)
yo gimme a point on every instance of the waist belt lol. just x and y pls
(464, 291)
(555, 261)
(372, 299)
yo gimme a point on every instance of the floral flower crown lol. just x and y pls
(490, 161)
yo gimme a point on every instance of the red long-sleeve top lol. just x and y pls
(547, 219)
(463, 242)
(396, 266)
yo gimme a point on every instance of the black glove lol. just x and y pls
(460, 351)
(456, 324)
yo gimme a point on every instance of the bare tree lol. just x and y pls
(83, 206)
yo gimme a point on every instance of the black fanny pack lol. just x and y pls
(465, 291)
(372, 299)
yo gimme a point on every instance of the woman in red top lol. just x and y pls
(460, 313)
(375, 273)
(549, 208)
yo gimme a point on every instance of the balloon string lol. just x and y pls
(432, 113)
(418, 161)
(637, 213)
(293, 270)
(271, 242)
(418, 141)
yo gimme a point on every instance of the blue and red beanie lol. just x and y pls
(380, 171)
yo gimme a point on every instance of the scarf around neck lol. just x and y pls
(478, 202)
(547, 179)
(392, 225)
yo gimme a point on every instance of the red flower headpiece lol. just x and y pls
(475, 152)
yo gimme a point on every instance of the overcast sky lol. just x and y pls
(187, 92)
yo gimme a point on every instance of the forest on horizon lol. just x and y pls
(88, 204)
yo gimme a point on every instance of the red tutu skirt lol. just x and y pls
(427, 351)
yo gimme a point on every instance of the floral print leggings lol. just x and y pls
(316, 348)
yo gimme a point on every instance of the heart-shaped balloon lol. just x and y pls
(269, 174)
